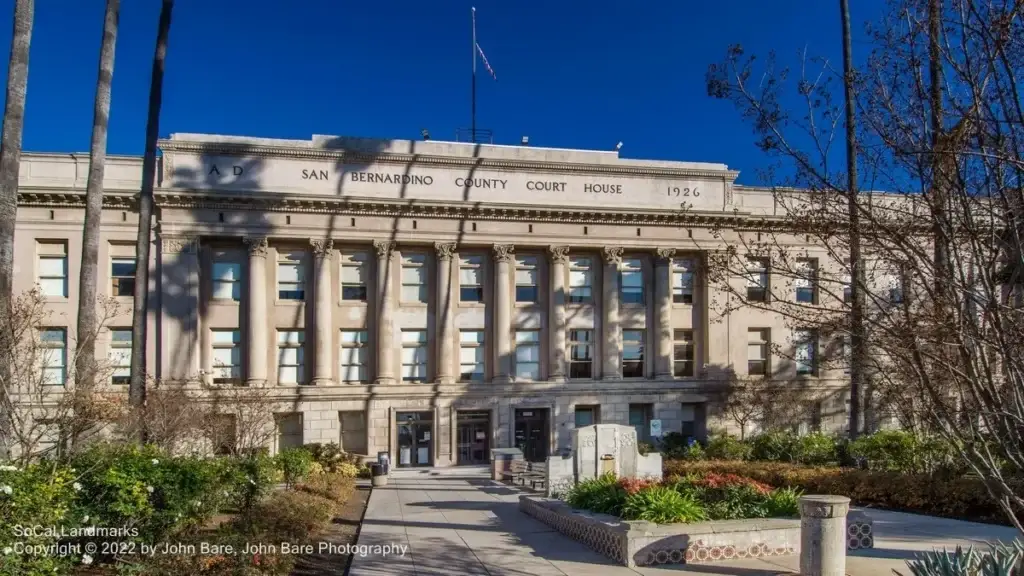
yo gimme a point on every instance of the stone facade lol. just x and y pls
(388, 290)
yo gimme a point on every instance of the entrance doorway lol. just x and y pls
(473, 437)
(415, 441)
(531, 433)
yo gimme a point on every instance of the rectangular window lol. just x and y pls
(53, 269)
(688, 420)
(682, 280)
(640, 418)
(757, 351)
(354, 356)
(120, 355)
(528, 355)
(122, 274)
(806, 280)
(631, 278)
(581, 359)
(54, 355)
(471, 355)
(290, 357)
(414, 278)
(526, 279)
(806, 351)
(585, 415)
(847, 288)
(227, 280)
(414, 355)
(227, 356)
(224, 434)
(757, 279)
(354, 272)
(581, 285)
(683, 354)
(353, 431)
(289, 430)
(471, 279)
(291, 277)
(894, 283)
(633, 353)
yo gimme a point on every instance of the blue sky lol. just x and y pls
(571, 73)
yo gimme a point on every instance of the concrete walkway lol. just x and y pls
(456, 521)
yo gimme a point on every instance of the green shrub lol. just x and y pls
(295, 465)
(206, 564)
(330, 456)
(644, 448)
(773, 446)
(1000, 560)
(603, 495)
(289, 516)
(674, 444)
(662, 505)
(247, 480)
(784, 502)
(815, 449)
(725, 447)
(693, 452)
(37, 495)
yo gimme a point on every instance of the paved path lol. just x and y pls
(456, 521)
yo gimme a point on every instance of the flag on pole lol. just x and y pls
(486, 63)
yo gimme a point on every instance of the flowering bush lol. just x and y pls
(40, 494)
(634, 485)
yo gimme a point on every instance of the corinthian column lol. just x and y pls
(556, 317)
(611, 343)
(503, 254)
(322, 307)
(446, 315)
(256, 342)
(663, 302)
(385, 321)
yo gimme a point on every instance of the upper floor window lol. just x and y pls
(683, 354)
(633, 353)
(757, 351)
(581, 280)
(53, 269)
(682, 280)
(414, 355)
(122, 275)
(227, 280)
(354, 356)
(847, 288)
(581, 358)
(471, 278)
(894, 284)
(806, 351)
(526, 278)
(471, 355)
(632, 277)
(54, 355)
(414, 278)
(354, 272)
(291, 277)
(806, 280)
(120, 355)
(757, 279)
(527, 355)
(290, 357)
(227, 356)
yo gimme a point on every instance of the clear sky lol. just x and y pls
(571, 73)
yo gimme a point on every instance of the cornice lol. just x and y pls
(355, 157)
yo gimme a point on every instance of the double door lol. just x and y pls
(415, 438)
(472, 437)
(532, 433)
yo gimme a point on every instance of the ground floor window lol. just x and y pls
(353, 431)
(586, 415)
(640, 418)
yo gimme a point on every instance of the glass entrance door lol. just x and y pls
(473, 437)
(531, 433)
(415, 442)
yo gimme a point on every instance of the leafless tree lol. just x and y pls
(239, 419)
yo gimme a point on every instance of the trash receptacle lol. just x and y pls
(377, 476)
(384, 460)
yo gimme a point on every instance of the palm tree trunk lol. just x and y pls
(85, 347)
(858, 351)
(10, 161)
(137, 388)
(940, 179)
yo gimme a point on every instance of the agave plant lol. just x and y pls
(1000, 560)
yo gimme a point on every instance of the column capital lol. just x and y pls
(504, 252)
(384, 248)
(612, 254)
(179, 244)
(665, 255)
(321, 246)
(559, 254)
(258, 245)
(445, 250)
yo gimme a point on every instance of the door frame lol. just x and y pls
(435, 442)
(455, 435)
(550, 427)
(453, 422)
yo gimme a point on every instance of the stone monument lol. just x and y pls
(598, 449)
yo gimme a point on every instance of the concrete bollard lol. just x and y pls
(823, 535)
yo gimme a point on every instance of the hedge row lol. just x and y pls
(953, 497)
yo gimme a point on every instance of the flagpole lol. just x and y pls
(472, 129)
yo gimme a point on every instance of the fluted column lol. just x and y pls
(663, 301)
(503, 255)
(256, 341)
(556, 317)
(322, 307)
(385, 319)
(446, 314)
(611, 349)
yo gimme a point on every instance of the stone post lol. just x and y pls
(823, 535)
(611, 343)
(256, 341)
(445, 312)
(385, 302)
(556, 318)
(503, 254)
(663, 336)
(322, 308)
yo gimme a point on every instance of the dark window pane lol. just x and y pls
(526, 293)
(682, 298)
(632, 369)
(632, 296)
(124, 286)
(291, 294)
(471, 293)
(756, 294)
(579, 369)
(805, 294)
(353, 293)
(683, 369)
(123, 269)
(121, 379)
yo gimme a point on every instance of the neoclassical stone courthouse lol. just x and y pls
(433, 299)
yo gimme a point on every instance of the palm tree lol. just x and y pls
(10, 160)
(137, 388)
(85, 356)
